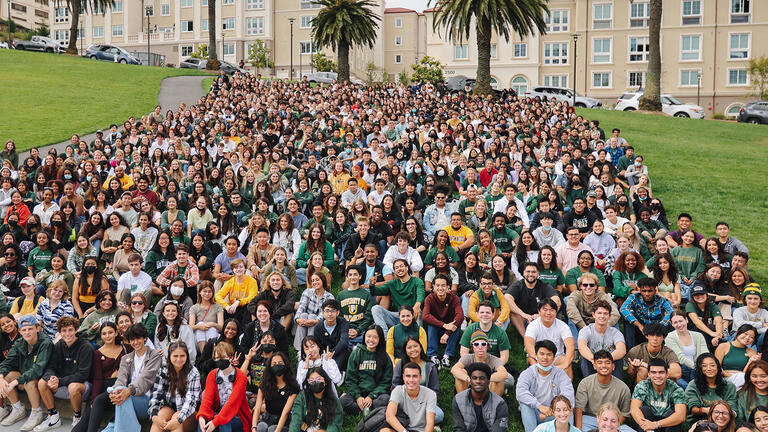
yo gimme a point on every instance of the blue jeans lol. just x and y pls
(234, 425)
(433, 340)
(530, 417)
(353, 342)
(384, 318)
(439, 415)
(128, 413)
(301, 276)
(686, 377)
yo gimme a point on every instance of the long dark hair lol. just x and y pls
(701, 380)
(749, 388)
(82, 287)
(381, 353)
(320, 411)
(552, 265)
(318, 246)
(269, 381)
(423, 355)
(162, 322)
(521, 255)
(170, 251)
(658, 273)
(178, 380)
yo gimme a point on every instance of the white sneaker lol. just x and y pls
(4, 411)
(52, 422)
(436, 362)
(15, 415)
(446, 361)
(35, 418)
(76, 420)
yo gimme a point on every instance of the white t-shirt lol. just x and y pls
(134, 284)
(557, 333)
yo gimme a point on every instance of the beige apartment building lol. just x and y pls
(178, 27)
(30, 14)
(404, 39)
(710, 40)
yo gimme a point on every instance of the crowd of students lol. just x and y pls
(169, 270)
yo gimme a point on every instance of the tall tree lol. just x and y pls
(213, 61)
(460, 17)
(342, 24)
(75, 8)
(651, 99)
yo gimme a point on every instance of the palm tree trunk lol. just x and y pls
(343, 54)
(75, 7)
(483, 78)
(213, 62)
(651, 100)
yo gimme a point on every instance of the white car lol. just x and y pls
(669, 106)
(560, 94)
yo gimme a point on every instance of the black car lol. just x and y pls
(754, 112)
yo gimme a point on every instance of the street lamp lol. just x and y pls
(81, 37)
(290, 72)
(10, 46)
(148, 10)
(698, 88)
(575, 41)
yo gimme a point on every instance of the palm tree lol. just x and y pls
(651, 99)
(340, 24)
(456, 17)
(213, 61)
(75, 7)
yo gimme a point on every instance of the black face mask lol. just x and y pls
(221, 364)
(317, 387)
(279, 369)
(268, 348)
(13, 223)
(89, 269)
(31, 225)
(57, 223)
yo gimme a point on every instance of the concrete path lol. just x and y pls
(173, 91)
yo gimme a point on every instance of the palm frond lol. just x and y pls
(350, 21)
(460, 17)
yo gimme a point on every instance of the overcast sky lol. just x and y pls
(418, 5)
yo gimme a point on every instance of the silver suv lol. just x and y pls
(560, 94)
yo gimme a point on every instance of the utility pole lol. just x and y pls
(290, 72)
(575, 41)
(148, 11)
(10, 46)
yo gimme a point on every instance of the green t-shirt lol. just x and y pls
(661, 404)
(356, 308)
(497, 338)
(39, 259)
(744, 407)
(552, 277)
(714, 311)
(400, 293)
(504, 240)
(453, 257)
(693, 398)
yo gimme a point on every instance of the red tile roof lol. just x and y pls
(399, 10)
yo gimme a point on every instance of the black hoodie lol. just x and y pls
(70, 363)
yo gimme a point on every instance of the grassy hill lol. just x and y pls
(46, 98)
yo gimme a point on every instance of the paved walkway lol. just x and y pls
(173, 91)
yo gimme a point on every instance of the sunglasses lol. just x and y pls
(588, 285)
(480, 344)
(10, 254)
(137, 302)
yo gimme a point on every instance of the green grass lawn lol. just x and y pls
(46, 98)
(206, 84)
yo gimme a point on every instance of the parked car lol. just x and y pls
(3, 45)
(230, 69)
(38, 43)
(193, 63)
(560, 94)
(320, 77)
(110, 53)
(459, 83)
(754, 112)
(669, 105)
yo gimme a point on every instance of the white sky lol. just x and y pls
(418, 5)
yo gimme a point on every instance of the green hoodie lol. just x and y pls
(94, 317)
(29, 361)
(361, 372)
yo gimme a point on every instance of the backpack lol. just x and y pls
(376, 420)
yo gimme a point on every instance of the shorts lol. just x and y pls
(63, 391)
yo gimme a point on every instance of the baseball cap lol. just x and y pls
(27, 320)
(591, 194)
(28, 280)
(698, 289)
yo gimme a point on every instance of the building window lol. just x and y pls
(187, 3)
(227, 2)
(689, 78)
(733, 110)
(601, 51)
(494, 51)
(639, 14)
(737, 77)
(117, 31)
(61, 35)
(556, 81)
(691, 12)
(739, 46)
(228, 49)
(519, 50)
(309, 4)
(519, 85)
(187, 50)
(98, 9)
(187, 26)
(165, 9)
(308, 48)
(639, 49)
(398, 23)
(398, 40)
(255, 4)
(203, 3)
(204, 24)
(494, 83)
(557, 20)
(740, 10)
(555, 53)
(690, 48)
(228, 24)
(98, 32)
(306, 21)
(398, 59)
(602, 16)
(460, 52)
(636, 79)
(62, 15)
(255, 25)
(601, 79)
(117, 7)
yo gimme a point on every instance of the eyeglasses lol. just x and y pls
(439, 197)
(314, 380)
(10, 254)
(137, 302)
(480, 344)
(588, 285)
(720, 413)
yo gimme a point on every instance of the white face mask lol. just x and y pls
(177, 291)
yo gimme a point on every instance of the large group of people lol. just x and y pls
(279, 256)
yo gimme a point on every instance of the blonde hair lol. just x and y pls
(224, 350)
(61, 284)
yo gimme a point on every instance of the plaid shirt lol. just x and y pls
(191, 274)
(309, 304)
(185, 403)
(636, 309)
